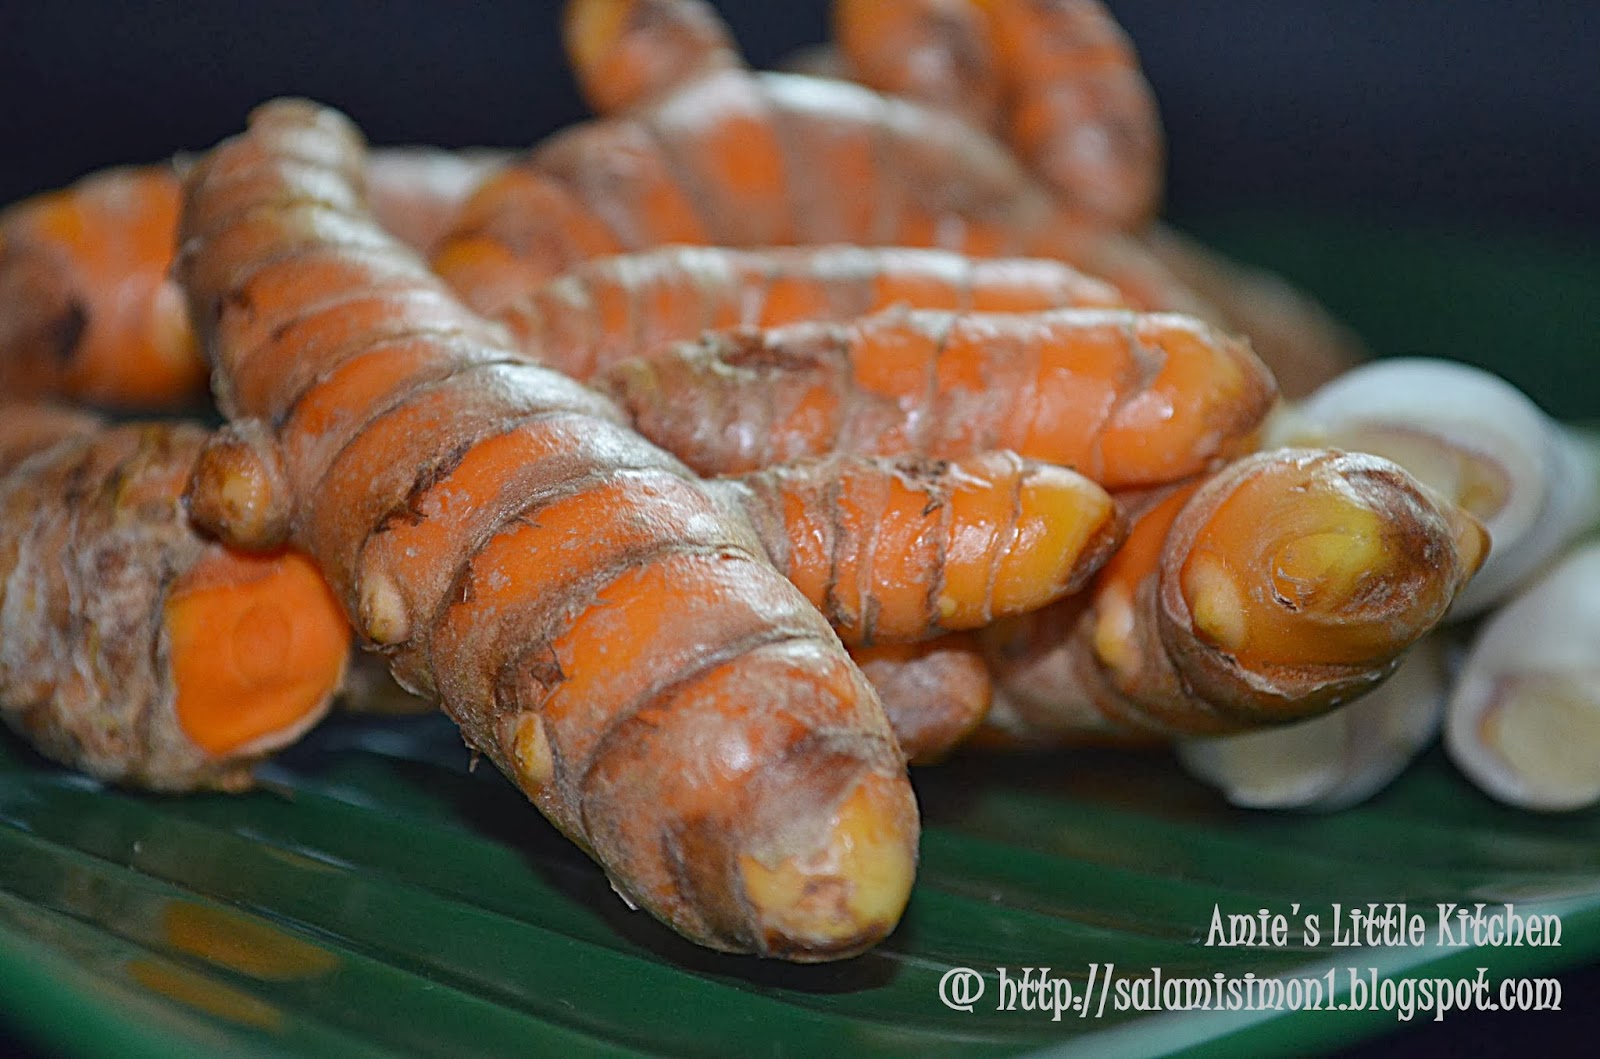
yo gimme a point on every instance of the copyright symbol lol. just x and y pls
(959, 987)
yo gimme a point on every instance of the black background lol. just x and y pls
(1479, 114)
(1472, 112)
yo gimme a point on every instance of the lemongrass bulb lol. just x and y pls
(1474, 438)
(1524, 719)
(1336, 760)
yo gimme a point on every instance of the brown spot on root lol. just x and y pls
(64, 333)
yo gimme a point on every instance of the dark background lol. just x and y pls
(1474, 112)
(1457, 114)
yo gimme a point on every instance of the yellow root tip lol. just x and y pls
(848, 893)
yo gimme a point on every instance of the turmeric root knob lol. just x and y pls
(1066, 528)
(1270, 591)
(778, 836)
(257, 645)
(237, 492)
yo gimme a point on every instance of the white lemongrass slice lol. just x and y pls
(1475, 439)
(1336, 760)
(1524, 719)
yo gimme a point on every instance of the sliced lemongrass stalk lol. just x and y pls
(1524, 719)
(1336, 760)
(1477, 440)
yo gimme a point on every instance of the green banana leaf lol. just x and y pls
(376, 896)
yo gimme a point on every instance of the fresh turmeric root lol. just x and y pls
(135, 650)
(1129, 400)
(602, 630)
(900, 551)
(1057, 78)
(612, 307)
(635, 305)
(1059, 81)
(1277, 588)
(625, 53)
(708, 152)
(973, 565)
(937, 53)
(87, 311)
(889, 551)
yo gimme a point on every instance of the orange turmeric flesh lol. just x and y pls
(257, 645)
(1127, 400)
(88, 308)
(136, 650)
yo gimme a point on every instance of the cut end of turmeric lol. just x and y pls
(258, 646)
(846, 894)
(175, 351)
(138, 351)
(97, 254)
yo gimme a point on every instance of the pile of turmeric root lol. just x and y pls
(705, 463)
